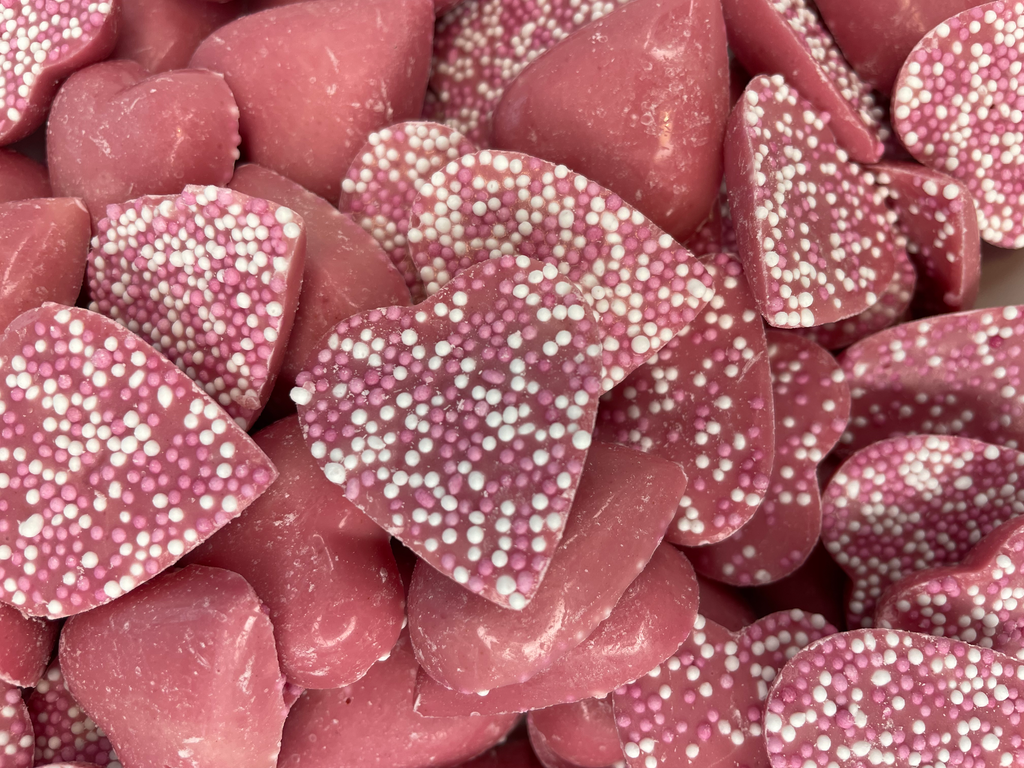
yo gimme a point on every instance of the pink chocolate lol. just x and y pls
(163, 34)
(451, 423)
(637, 101)
(117, 464)
(811, 229)
(26, 645)
(580, 735)
(115, 133)
(22, 178)
(644, 287)
(64, 732)
(192, 651)
(43, 245)
(817, 586)
(957, 109)
(705, 402)
(306, 110)
(324, 570)
(514, 752)
(211, 278)
(725, 604)
(15, 729)
(812, 402)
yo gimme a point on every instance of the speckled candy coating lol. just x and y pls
(705, 402)
(979, 601)
(910, 503)
(385, 178)
(481, 47)
(63, 731)
(703, 705)
(959, 374)
(812, 402)
(211, 278)
(116, 463)
(644, 287)
(957, 108)
(15, 729)
(451, 423)
(883, 697)
(811, 229)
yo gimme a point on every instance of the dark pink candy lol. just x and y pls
(812, 402)
(163, 34)
(724, 604)
(817, 586)
(514, 752)
(22, 178)
(581, 734)
(64, 731)
(26, 645)
(15, 729)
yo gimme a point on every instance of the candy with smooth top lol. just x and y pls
(43, 245)
(637, 101)
(211, 278)
(163, 34)
(115, 463)
(704, 704)
(16, 749)
(372, 723)
(908, 503)
(705, 401)
(895, 698)
(64, 732)
(306, 111)
(581, 734)
(812, 403)
(22, 178)
(978, 601)
(644, 287)
(451, 423)
(958, 374)
(810, 228)
(40, 45)
(115, 133)
(345, 273)
(387, 174)
(653, 616)
(956, 108)
(26, 645)
(786, 37)
(323, 569)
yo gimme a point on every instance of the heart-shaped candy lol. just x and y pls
(464, 421)
(22, 178)
(115, 133)
(211, 278)
(113, 463)
(26, 645)
(15, 729)
(576, 735)
(64, 731)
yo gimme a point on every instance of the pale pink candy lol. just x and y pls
(116, 462)
(956, 107)
(960, 374)
(910, 503)
(812, 403)
(211, 278)
(643, 285)
(811, 229)
(703, 706)
(385, 178)
(705, 402)
(885, 697)
(576, 735)
(487, 393)
(63, 730)
(979, 601)
(15, 729)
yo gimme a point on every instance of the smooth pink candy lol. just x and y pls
(384, 179)
(211, 278)
(580, 735)
(812, 403)
(725, 604)
(623, 506)
(26, 645)
(909, 503)
(116, 463)
(64, 732)
(451, 423)
(956, 109)
(323, 569)
(895, 698)
(22, 178)
(704, 705)
(651, 618)
(163, 34)
(811, 230)
(372, 723)
(979, 601)
(637, 101)
(644, 287)
(115, 133)
(705, 402)
(76, 33)
(959, 374)
(15, 729)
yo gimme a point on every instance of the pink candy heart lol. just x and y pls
(26, 645)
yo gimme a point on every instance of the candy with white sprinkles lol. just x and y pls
(113, 464)
(16, 746)
(957, 107)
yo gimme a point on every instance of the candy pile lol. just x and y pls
(510, 384)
